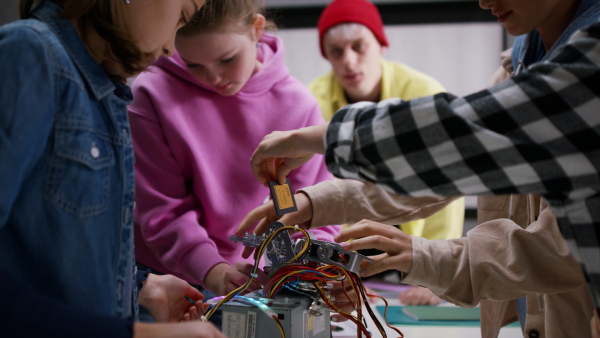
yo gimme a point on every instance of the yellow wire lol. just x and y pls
(279, 326)
(261, 250)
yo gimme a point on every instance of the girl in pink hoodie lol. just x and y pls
(196, 119)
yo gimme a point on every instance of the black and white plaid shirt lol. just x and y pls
(538, 132)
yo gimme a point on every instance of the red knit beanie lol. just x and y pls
(344, 11)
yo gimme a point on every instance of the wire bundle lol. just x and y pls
(292, 274)
(260, 251)
(296, 273)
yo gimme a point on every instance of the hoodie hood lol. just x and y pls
(270, 52)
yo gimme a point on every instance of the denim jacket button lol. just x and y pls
(126, 136)
(127, 215)
(95, 152)
(120, 290)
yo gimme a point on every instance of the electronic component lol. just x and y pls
(281, 249)
(295, 300)
(245, 319)
(283, 198)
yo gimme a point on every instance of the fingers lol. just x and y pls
(193, 293)
(279, 170)
(239, 274)
(419, 296)
(260, 229)
(366, 228)
(193, 313)
(263, 174)
(373, 242)
(389, 239)
(261, 212)
(254, 286)
(282, 172)
(204, 307)
(261, 165)
(246, 270)
(248, 250)
(379, 264)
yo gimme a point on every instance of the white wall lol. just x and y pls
(461, 56)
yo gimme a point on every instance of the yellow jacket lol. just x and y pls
(406, 83)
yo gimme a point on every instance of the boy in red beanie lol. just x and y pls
(352, 39)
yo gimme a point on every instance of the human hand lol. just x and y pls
(224, 278)
(195, 329)
(266, 215)
(283, 151)
(163, 296)
(396, 245)
(419, 296)
(193, 313)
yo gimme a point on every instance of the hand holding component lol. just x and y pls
(265, 215)
(164, 297)
(281, 152)
(419, 296)
(396, 245)
(224, 278)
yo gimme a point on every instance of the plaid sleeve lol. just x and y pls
(538, 132)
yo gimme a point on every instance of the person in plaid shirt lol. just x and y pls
(538, 132)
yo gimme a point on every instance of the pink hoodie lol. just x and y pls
(192, 148)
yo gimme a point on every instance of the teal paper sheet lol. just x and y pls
(447, 315)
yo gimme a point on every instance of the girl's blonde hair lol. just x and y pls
(217, 14)
(108, 20)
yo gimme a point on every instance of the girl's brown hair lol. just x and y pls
(107, 19)
(216, 14)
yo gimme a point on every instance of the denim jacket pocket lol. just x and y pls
(77, 179)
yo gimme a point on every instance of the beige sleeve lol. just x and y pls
(485, 264)
(349, 201)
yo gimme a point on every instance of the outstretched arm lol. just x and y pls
(283, 151)
(343, 202)
(486, 264)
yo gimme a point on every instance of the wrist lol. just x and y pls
(145, 289)
(142, 330)
(215, 278)
(313, 138)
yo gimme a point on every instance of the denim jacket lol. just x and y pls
(529, 49)
(66, 169)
